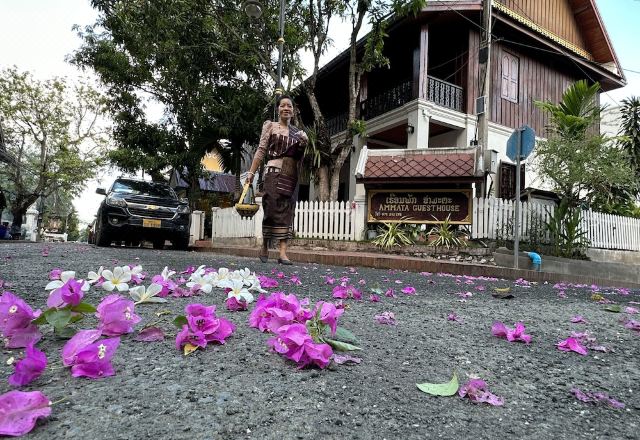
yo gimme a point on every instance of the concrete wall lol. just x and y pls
(611, 256)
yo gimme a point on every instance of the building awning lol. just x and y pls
(440, 163)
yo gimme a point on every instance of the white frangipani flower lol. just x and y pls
(140, 294)
(64, 277)
(95, 277)
(239, 292)
(220, 278)
(256, 287)
(166, 273)
(135, 270)
(117, 279)
(199, 271)
(203, 283)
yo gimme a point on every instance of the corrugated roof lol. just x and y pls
(419, 166)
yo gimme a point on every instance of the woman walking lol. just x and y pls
(282, 146)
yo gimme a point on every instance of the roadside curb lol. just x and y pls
(413, 264)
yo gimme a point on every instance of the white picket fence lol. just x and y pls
(227, 223)
(323, 220)
(494, 218)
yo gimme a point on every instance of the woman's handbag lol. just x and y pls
(285, 185)
(247, 206)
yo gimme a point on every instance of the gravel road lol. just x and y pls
(241, 390)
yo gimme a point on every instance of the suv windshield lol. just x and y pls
(143, 188)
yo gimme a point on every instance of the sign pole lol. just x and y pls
(516, 227)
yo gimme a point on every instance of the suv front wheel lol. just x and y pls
(181, 243)
(103, 237)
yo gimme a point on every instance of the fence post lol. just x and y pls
(214, 218)
(257, 222)
(360, 212)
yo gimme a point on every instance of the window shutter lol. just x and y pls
(505, 76)
(513, 80)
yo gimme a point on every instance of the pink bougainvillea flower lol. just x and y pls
(203, 319)
(480, 288)
(346, 291)
(80, 340)
(188, 270)
(387, 318)
(55, 274)
(596, 397)
(632, 324)
(409, 290)
(235, 305)
(280, 275)
(572, 344)
(329, 280)
(293, 342)
(631, 310)
(295, 280)
(500, 330)
(20, 410)
(453, 317)
(16, 328)
(374, 298)
(45, 251)
(476, 390)
(266, 282)
(29, 368)
(94, 360)
(150, 334)
(362, 282)
(116, 315)
(270, 313)
(345, 359)
(328, 314)
(186, 336)
(345, 280)
(71, 292)
(578, 319)
(426, 274)
(389, 293)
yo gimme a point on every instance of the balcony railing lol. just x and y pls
(444, 94)
(386, 101)
(439, 92)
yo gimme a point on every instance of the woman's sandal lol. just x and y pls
(264, 258)
(284, 262)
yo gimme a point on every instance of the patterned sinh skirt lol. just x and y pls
(278, 211)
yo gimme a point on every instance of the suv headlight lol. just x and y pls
(113, 201)
(183, 209)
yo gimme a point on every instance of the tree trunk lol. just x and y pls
(18, 212)
(337, 166)
(323, 184)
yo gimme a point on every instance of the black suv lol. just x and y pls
(136, 210)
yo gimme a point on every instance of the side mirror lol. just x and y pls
(101, 191)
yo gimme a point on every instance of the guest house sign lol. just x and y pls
(420, 206)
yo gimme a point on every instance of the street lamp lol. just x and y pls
(253, 9)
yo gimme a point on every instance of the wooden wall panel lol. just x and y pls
(538, 81)
(472, 90)
(553, 15)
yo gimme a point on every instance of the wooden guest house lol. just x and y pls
(424, 142)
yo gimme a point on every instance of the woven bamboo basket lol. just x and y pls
(247, 207)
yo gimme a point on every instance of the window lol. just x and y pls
(510, 74)
(507, 189)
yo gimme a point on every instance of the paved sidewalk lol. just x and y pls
(413, 264)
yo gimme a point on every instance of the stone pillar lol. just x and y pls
(419, 120)
(31, 224)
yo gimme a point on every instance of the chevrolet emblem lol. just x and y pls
(152, 207)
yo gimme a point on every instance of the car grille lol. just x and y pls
(150, 213)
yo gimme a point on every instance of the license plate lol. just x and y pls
(151, 223)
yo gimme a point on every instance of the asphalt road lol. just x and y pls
(241, 390)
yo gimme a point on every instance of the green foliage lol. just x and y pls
(392, 234)
(630, 133)
(446, 235)
(568, 238)
(580, 164)
(56, 135)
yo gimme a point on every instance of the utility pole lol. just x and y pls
(484, 55)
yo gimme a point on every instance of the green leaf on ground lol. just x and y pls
(614, 308)
(42, 319)
(83, 307)
(342, 334)
(440, 389)
(58, 317)
(180, 321)
(65, 332)
(341, 346)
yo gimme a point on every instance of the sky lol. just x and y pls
(36, 35)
